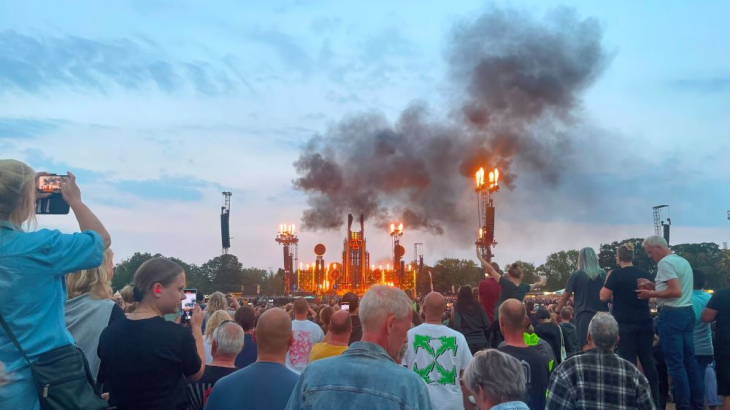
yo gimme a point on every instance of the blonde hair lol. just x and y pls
(217, 302)
(626, 252)
(215, 320)
(17, 192)
(94, 281)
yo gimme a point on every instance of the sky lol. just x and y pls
(159, 106)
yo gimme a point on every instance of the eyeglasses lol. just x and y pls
(215, 332)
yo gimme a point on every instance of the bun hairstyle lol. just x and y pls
(625, 252)
(17, 192)
(515, 270)
(155, 270)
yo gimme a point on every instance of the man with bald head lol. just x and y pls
(339, 336)
(438, 354)
(512, 322)
(267, 383)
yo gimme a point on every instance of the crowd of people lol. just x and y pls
(66, 342)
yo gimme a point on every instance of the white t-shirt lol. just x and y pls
(306, 334)
(674, 267)
(438, 354)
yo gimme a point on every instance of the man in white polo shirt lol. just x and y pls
(438, 354)
(675, 324)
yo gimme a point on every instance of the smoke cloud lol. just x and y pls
(516, 83)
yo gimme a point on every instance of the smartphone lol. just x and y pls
(191, 296)
(54, 204)
(345, 306)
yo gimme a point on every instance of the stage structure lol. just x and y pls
(225, 222)
(661, 227)
(396, 232)
(485, 205)
(289, 241)
(355, 259)
(320, 271)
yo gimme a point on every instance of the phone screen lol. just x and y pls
(50, 183)
(345, 306)
(188, 304)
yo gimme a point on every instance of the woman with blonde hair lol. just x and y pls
(32, 277)
(586, 284)
(90, 308)
(218, 317)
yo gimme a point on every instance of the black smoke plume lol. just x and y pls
(516, 87)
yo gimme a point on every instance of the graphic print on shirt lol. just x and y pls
(300, 348)
(444, 376)
(528, 378)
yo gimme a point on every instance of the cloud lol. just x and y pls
(26, 127)
(703, 85)
(40, 162)
(286, 46)
(176, 188)
(34, 64)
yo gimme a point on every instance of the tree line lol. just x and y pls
(225, 273)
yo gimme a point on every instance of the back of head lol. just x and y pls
(603, 330)
(341, 323)
(515, 270)
(301, 307)
(656, 240)
(152, 271)
(625, 252)
(379, 302)
(352, 300)
(566, 313)
(229, 339)
(588, 263)
(94, 281)
(17, 192)
(542, 314)
(273, 331)
(465, 299)
(498, 375)
(245, 316)
(698, 279)
(325, 315)
(217, 302)
(434, 305)
(513, 315)
(215, 319)
(530, 306)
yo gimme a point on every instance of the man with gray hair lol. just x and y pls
(496, 381)
(675, 322)
(368, 375)
(227, 344)
(598, 378)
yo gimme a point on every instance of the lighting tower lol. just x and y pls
(485, 203)
(225, 222)
(287, 237)
(661, 227)
(396, 231)
(418, 260)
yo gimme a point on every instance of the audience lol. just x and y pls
(146, 360)
(353, 303)
(372, 365)
(268, 383)
(340, 330)
(128, 303)
(551, 333)
(246, 318)
(598, 378)
(90, 309)
(570, 333)
(325, 315)
(702, 334)
(496, 380)
(32, 276)
(471, 320)
(438, 354)
(489, 288)
(306, 334)
(718, 309)
(218, 317)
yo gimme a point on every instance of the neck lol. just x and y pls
(376, 338)
(514, 338)
(248, 332)
(341, 340)
(625, 264)
(279, 357)
(300, 317)
(145, 310)
(434, 320)
(223, 361)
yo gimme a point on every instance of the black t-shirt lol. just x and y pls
(537, 373)
(116, 315)
(550, 333)
(586, 292)
(144, 364)
(627, 307)
(196, 391)
(512, 291)
(720, 302)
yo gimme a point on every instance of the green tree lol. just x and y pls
(450, 272)
(707, 257)
(529, 271)
(558, 267)
(607, 255)
(273, 283)
(124, 270)
(225, 273)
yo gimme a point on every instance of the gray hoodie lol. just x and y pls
(86, 318)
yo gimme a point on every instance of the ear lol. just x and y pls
(156, 289)
(214, 348)
(389, 323)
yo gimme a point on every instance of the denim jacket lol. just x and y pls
(363, 377)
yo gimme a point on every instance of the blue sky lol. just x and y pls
(160, 105)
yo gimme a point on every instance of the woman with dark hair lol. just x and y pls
(147, 361)
(471, 320)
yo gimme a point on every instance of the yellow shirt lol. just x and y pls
(324, 350)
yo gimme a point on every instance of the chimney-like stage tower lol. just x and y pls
(355, 258)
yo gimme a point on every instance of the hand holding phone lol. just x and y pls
(345, 306)
(50, 197)
(188, 304)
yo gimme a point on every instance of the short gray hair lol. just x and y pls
(380, 301)
(656, 240)
(500, 376)
(603, 330)
(229, 339)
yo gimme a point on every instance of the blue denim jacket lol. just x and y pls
(363, 377)
(512, 405)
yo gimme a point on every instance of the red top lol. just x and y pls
(489, 290)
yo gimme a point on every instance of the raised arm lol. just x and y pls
(87, 220)
(488, 268)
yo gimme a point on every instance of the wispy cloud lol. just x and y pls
(26, 127)
(287, 48)
(703, 85)
(35, 64)
(176, 188)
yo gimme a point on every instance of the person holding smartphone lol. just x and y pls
(33, 272)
